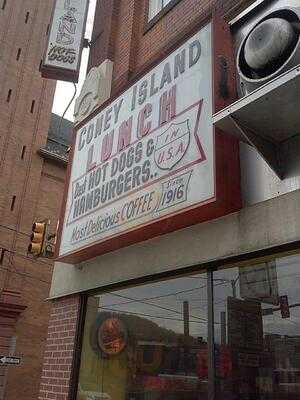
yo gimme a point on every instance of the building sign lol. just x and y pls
(245, 325)
(63, 53)
(259, 282)
(9, 360)
(147, 159)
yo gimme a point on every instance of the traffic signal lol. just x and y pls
(38, 238)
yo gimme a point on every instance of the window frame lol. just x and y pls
(149, 23)
(75, 372)
(276, 252)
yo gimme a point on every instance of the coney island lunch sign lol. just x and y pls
(146, 158)
(65, 42)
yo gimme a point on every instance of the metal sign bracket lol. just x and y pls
(267, 149)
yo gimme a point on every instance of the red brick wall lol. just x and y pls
(134, 47)
(120, 35)
(10, 309)
(102, 42)
(36, 183)
(60, 348)
(32, 279)
(7, 327)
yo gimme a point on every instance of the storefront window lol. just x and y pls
(147, 343)
(257, 331)
(151, 342)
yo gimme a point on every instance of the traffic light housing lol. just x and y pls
(38, 238)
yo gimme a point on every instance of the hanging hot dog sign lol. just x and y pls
(63, 52)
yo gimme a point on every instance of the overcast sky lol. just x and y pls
(65, 90)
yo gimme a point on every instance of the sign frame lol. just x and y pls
(57, 73)
(227, 198)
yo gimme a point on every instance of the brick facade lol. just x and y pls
(121, 34)
(62, 330)
(31, 189)
(10, 309)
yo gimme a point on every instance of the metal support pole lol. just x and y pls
(233, 282)
(223, 327)
(210, 341)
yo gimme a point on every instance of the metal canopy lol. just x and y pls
(266, 118)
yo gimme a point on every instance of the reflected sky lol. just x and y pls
(162, 303)
(255, 347)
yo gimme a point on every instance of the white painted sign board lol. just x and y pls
(147, 156)
(63, 53)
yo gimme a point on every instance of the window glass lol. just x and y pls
(257, 331)
(146, 342)
(155, 6)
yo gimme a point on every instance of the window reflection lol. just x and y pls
(257, 331)
(147, 342)
(150, 342)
